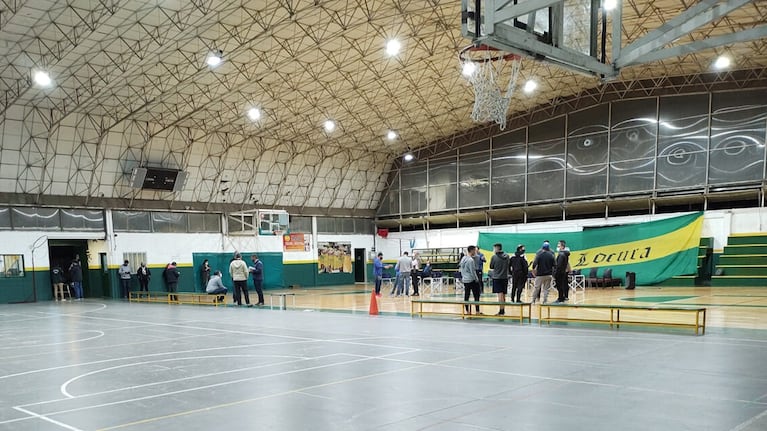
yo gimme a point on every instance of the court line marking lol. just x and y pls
(47, 419)
(234, 403)
(65, 385)
(742, 426)
(103, 361)
(101, 334)
(213, 385)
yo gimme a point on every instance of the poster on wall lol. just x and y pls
(296, 242)
(334, 257)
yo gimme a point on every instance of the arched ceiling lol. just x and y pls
(132, 88)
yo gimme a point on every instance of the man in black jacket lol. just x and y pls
(561, 269)
(519, 268)
(171, 276)
(543, 268)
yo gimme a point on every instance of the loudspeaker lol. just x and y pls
(137, 177)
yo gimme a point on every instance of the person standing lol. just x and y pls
(171, 276)
(378, 267)
(499, 272)
(561, 269)
(479, 262)
(519, 269)
(543, 268)
(257, 271)
(144, 275)
(125, 271)
(57, 280)
(468, 269)
(414, 272)
(239, 272)
(204, 274)
(404, 266)
(76, 276)
(216, 287)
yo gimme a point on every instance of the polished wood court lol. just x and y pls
(744, 308)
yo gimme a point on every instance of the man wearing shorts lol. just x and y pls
(499, 273)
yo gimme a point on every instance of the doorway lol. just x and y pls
(62, 252)
(359, 265)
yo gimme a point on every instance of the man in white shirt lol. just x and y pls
(469, 277)
(239, 272)
(404, 267)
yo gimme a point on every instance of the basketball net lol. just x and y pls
(488, 68)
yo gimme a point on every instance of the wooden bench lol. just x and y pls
(195, 298)
(614, 317)
(472, 304)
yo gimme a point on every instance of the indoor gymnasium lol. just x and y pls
(383, 215)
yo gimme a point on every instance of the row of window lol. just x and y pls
(55, 219)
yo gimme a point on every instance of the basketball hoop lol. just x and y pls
(485, 67)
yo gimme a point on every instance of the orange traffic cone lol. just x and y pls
(373, 304)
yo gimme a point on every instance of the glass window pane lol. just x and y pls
(632, 176)
(300, 224)
(679, 107)
(515, 138)
(442, 171)
(346, 225)
(414, 200)
(634, 113)
(587, 150)
(131, 221)
(204, 222)
(589, 121)
(35, 218)
(586, 181)
(168, 222)
(74, 219)
(474, 193)
(474, 167)
(326, 225)
(363, 226)
(11, 265)
(477, 147)
(545, 185)
(510, 160)
(414, 176)
(681, 169)
(633, 143)
(508, 190)
(683, 135)
(5, 218)
(548, 130)
(546, 156)
(442, 197)
(734, 163)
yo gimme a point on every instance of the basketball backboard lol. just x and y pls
(563, 32)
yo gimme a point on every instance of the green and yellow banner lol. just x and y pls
(655, 250)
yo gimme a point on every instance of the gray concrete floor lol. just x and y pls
(98, 365)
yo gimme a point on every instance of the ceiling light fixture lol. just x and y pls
(215, 58)
(609, 4)
(408, 157)
(42, 78)
(530, 86)
(392, 47)
(391, 135)
(468, 68)
(722, 62)
(254, 114)
(329, 126)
